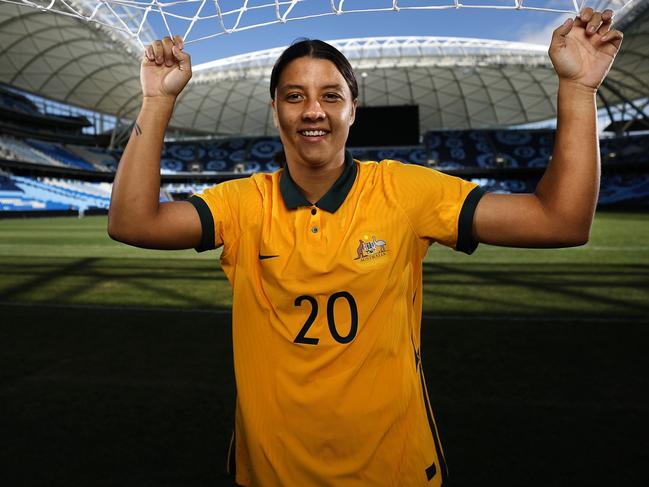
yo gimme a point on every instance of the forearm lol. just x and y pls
(560, 212)
(136, 190)
(569, 188)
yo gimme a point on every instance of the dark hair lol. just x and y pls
(319, 50)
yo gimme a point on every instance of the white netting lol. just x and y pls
(196, 20)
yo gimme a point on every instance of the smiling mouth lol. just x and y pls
(313, 133)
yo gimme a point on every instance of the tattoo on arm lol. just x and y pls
(137, 129)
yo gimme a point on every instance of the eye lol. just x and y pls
(332, 97)
(293, 97)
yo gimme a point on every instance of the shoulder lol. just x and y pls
(239, 196)
(385, 166)
(396, 170)
(251, 186)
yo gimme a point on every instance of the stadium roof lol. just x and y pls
(458, 83)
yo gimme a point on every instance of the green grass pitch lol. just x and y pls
(73, 261)
(116, 362)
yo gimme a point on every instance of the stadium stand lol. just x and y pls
(52, 154)
(58, 153)
(628, 149)
(98, 157)
(500, 160)
(239, 155)
(20, 151)
(14, 197)
(520, 148)
(62, 194)
(21, 117)
(20, 193)
(412, 155)
(16, 102)
(444, 150)
(631, 189)
(489, 148)
(184, 189)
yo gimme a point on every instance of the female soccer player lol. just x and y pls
(325, 258)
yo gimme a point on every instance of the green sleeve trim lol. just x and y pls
(207, 223)
(465, 241)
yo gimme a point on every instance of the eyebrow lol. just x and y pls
(336, 86)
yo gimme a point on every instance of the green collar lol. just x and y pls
(332, 199)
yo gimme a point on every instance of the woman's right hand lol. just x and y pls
(165, 68)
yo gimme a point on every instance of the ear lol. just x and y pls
(353, 117)
(273, 107)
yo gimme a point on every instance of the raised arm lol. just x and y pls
(136, 216)
(560, 212)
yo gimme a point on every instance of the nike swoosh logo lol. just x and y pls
(263, 257)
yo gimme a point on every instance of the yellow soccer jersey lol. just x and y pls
(326, 321)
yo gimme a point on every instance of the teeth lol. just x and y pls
(314, 133)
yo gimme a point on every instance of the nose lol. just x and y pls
(313, 111)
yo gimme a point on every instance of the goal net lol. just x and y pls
(196, 20)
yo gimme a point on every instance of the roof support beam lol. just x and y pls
(250, 97)
(204, 98)
(429, 71)
(620, 95)
(21, 18)
(90, 75)
(601, 96)
(515, 93)
(463, 98)
(28, 35)
(66, 65)
(118, 85)
(628, 74)
(50, 48)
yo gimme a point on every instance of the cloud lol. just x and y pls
(534, 33)
(539, 31)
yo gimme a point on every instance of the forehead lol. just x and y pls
(311, 73)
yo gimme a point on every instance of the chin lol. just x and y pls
(315, 156)
(315, 160)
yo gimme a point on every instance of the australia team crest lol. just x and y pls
(370, 248)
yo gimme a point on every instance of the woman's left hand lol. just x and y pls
(583, 49)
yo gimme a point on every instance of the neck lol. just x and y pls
(314, 181)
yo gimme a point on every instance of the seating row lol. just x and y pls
(442, 150)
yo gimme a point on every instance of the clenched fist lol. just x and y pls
(165, 68)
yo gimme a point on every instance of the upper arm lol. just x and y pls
(175, 226)
(439, 207)
(521, 220)
(218, 210)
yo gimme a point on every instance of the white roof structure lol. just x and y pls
(69, 60)
(457, 83)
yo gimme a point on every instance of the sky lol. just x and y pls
(524, 26)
